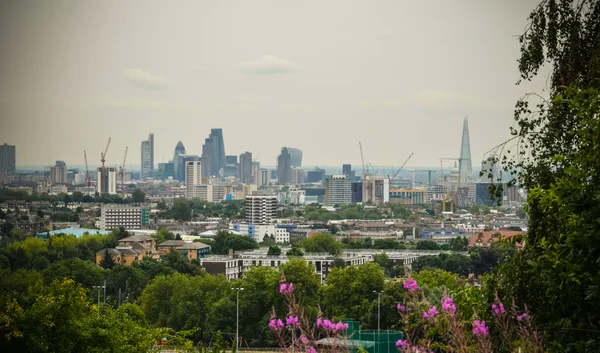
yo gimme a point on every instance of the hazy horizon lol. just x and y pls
(319, 76)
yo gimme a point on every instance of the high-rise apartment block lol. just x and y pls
(265, 177)
(147, 157)
(127, 216)
(213, 154)
(107, 180)
(261, 209)
(245, 168)
(284, 167)
(338, 190)
(256, 174)
(8, 160)
(297, 176)
(193, 178)
(58, 173)
(376, 190)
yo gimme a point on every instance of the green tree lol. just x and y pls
(181, 210)
(225, 240)
(138, 196)
(107, 260)
(295, 251)
(459, 244)
(274, 250)
(387, 244)
(427, 245)
(382, 260)
(322, 242)
(338, 262)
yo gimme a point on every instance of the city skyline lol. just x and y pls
(393, 92)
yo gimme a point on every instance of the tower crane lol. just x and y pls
(366, 185)
(399, 169)
(122, 174)
(87, 173)
(103, 154)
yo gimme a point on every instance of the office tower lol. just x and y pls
(58, 173)
(213, 154)
(297, 176)
(338, 190)
(166, 170)
(231, 160)
(245, 168)
(260, 209)
(183, 159)
(357, 191)
(295, 157)
(346, 169)
(147, 157)
(179, 150)
(490, 170)
(284, 168)
(107, 180)
(315, 176)
(193, 178)
(231, 166)
(465, 167)
(265, 177)
(7, 158)
(256, 173)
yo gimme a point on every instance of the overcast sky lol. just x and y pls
(399, 76)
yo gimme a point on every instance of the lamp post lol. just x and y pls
(378, 315)
(237, 315)
(100, 287)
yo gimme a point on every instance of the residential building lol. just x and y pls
(121, 255)
(265, 177)
(338, 190)
(376, 190)
(245, 168)
(145, 240)
(8, 160)
(58, 173)
(256, 174)
(254, 230)
(292, 195)
(284, 168)
(220, 265)
(213, 154)
(261, 208)
(80, 179)
(295, 157)
(297, 176)
(193, 178)
(408, 196)
(107, 180)
(127, 216)
(147, 157)
(182, 159)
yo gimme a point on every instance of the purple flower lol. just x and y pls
(290, 288)
(522, 317)
(319, 322)
(480, 329)
(498, 309)
(401, 307)
(311, 349)
(282, 288)
(411, 285)
(275, 324)
(303, 339)
(431, 313)
(402, 344)
(292, 321)
(448, 305)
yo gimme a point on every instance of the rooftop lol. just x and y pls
(77, 232)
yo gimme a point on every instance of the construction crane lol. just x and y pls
(399, 169)
(122, 174)
(366, 184)
(103, 155)
(450, 199)
(87, 173)
(365, 171)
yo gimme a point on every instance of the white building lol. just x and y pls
(193, 178)
(376, 190)
(265, 177)
(282, 236)
(115, 216)
(107, 180)
(260, 209)
(338, 190)
(80, 179)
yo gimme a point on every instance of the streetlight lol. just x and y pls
(237, 315)
(100, 287)
(378, 308)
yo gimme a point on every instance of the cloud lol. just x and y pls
(197, 68)
(143, 79)
(268, 65)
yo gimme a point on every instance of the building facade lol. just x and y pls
(193, 178)
(261, 209)
(213, 154)
(127, 216)
(408, 196)
(147, 157)
(107, 180)
(338, 190)
(8, 159)
(58, 173)
(179, 150)
(284, 167)
(295, 157)
(245, 168)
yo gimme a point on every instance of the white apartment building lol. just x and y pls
(107, 180)
(115, 216)
(193, 178)
(338, 190)
(260, 209)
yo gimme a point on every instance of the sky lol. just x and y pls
(398, 76)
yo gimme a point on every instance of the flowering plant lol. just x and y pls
(298, 333)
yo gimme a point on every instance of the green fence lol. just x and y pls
(374, 341)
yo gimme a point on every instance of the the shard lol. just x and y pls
(465, 167)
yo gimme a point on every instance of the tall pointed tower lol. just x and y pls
(465, 167)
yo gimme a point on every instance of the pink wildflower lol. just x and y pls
(303, 339)
(292, 321)
(480, 329)
(311, 349)
(275, 324)
(319, 322)
(522, 317)
(431, 313)
(411, 285)
(498, 309)
(448, 305)
(282, 288)
(290, 288)
(401, 307)
(402, 344)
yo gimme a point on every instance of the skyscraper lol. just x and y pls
(465, 167)
(58, 173)
(213, 154)
(284, 168)
(107, 180)
(7, 158)
(295, 157)
(178, 166)
(146, 158)
(245, 168)
(193, 178)
(346, 169)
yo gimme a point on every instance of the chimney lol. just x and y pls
(230, 253)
